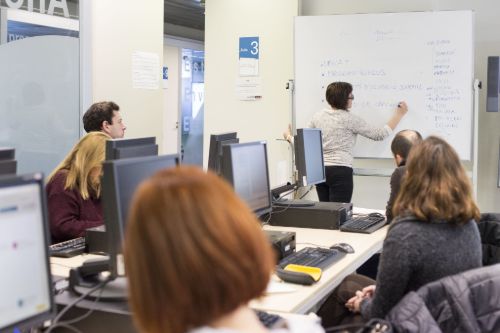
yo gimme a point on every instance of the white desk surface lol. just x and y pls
(304, 298)
(61, 266)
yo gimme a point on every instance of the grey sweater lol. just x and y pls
(415, 253)
(339, 131)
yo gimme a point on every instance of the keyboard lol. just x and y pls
(69, 248)
(269, 320)
(363, 224)
(314, 257)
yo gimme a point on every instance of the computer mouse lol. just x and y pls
(342, 247)
(375, 214)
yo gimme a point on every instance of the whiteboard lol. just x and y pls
(423, 58)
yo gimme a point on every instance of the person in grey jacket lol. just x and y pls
(435, 235)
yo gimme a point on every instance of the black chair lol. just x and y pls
(489, 228)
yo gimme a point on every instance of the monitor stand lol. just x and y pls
(293, 203)
(88, 276)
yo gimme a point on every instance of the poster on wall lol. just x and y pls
(165, 77)
(145, 67)
(249, 56)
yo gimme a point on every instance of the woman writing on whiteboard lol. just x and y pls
(339, 129)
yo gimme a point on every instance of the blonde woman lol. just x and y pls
(74, 188)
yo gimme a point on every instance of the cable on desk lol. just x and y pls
(286, 193)
(312, 244)
(309, 190)
(68, 327)
(67, 324)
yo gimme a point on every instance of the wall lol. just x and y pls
(171, 58)
(373, 191)
(272, 21)
(117, 30)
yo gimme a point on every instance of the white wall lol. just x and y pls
(272, 21)
(117, 30)
(487, 43)
(171, 59)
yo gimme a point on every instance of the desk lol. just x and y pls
(62, 266)
(105, 317)
(300, 301)
(306, 297)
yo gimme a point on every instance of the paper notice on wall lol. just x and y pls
(249, 88)
(145, 73)
(249, 67)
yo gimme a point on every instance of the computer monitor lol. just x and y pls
(7, 153)
(309, 157)
(128, 148)
(25, 284)
(8, 164)
(245, 167)
(217, 141)
(119, 182)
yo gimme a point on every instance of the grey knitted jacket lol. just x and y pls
(416, 253)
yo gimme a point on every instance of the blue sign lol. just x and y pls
(249, 47)
(19, 30)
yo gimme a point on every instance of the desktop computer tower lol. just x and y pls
(323, 215)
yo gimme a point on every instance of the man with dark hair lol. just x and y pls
(400, 146)
(105, 117)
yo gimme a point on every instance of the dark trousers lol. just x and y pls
(338, 185)
(370, 267)
(333, 312)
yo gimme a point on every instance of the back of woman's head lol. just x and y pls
(436, 186)
(337, 94)
(193, 251)
(85, 157)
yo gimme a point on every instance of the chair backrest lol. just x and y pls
(489, 229)
(466, 302)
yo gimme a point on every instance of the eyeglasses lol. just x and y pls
(350, 97)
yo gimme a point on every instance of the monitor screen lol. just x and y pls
(217, 141)
(119, 182)
(128, 148)
(25, 284)
(309, 156)
(245, 167)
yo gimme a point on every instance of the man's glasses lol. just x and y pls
(350, 97)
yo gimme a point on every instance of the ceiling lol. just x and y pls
(189, 14)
